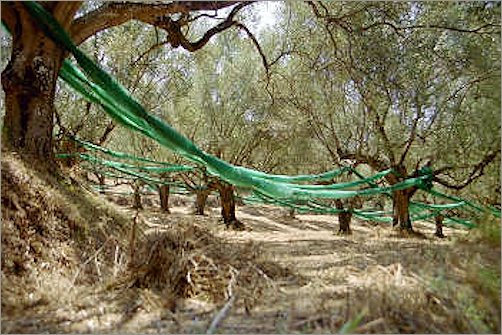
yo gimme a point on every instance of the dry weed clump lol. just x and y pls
(186, 261)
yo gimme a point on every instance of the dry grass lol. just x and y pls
(51, 230)
(186, 261)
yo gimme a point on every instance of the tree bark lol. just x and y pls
(227, 199)
(200, 200)
(29, 87)
(29, 81)
(102, 182)
(401, 209)
(137, 196)
(164, 198)
(439, 226)
(344, 218)
(227, 204)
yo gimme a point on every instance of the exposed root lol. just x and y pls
(235, 225)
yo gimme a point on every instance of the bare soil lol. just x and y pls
(66, 268)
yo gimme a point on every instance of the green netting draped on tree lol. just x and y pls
(98, 87)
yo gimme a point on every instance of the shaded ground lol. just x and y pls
(321, 281)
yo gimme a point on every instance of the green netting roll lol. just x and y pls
(441, 207)
(467, 203)
(123, 155)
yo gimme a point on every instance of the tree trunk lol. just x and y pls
(137, 196)
(29, 104)
(102, 183)
(29, 83)
(200, 201)
(137, 200)
(344, 218)
(29, 80)
(227, 203)
(228, 206)
(401, 204)
(439, 226)
(164, 198)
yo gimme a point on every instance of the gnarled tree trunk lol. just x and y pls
(102, 182)
(29, 81)
(227, 203)
(29, 87)
(164, 198)
(345, 217)
(401, 200)
(137, 196)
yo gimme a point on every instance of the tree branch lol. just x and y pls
(374, 162)
(478, 171)
(434, 26)
(413, 132)
(177, 38)
(9, 15)
(150, 49)
(256, 44)
(108, 130)
(115, 13)
(63, 12)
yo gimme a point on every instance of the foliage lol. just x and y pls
(377, 86)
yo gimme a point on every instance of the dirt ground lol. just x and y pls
(311, 280)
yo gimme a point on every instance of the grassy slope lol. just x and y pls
(50, 230)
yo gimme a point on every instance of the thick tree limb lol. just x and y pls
(177, 38)
(115, 13)
(9, 15)
(62, 11)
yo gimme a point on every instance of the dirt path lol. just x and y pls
(334, 268)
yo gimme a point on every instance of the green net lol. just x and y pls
(123, 155)
(100, 88)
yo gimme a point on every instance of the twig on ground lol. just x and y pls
(221, 315)
(231, 299)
